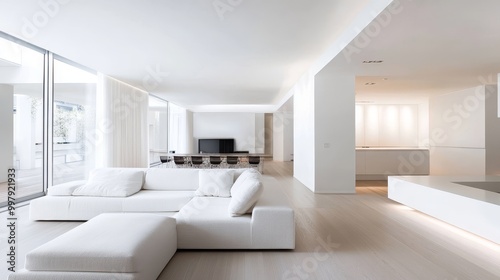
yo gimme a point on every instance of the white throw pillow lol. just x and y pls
(215, 183)
(245, 193)
(112, 182)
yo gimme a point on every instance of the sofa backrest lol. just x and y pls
(176, 179)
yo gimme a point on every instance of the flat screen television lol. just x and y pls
(215, 146)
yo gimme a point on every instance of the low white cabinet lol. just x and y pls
(378, 163)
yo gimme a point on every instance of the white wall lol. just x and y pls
(334, 133)
(180, 129)
(303, 126)
(278, 136)
(423, 125)
(6, 130)
(283, 140)
(492, 131)
(268, 126)
(457, 133)
(283, 132)
(387, 125)
(288, 142)
(260, 133)
(247, 129)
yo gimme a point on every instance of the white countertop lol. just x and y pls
(452, 184)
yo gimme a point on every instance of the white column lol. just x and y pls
(6, 130)
(334, 133)
(303, 116)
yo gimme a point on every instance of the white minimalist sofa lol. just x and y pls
(204, 213)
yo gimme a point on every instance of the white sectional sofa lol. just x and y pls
(203, 222)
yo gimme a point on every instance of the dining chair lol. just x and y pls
(197, 161)
(232, 162)
(180, 161)
(215, 161)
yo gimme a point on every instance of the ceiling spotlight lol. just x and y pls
(372, 61)
(369, 84)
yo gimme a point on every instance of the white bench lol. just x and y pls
(110, 246)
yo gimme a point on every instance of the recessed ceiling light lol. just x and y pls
(369, 84)
(372, 61)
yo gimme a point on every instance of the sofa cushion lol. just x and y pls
(157, 201)
(204, 223)
(65, 188)
(171, 179)
(245, 193)
(116, 182)
(215, 183)
(83, 208)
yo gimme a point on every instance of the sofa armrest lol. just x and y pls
(65, 188)
(273, 222)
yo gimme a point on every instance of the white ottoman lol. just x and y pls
(109, 246)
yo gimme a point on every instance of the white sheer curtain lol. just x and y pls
(122, 124)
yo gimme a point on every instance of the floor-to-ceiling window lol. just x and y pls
(157, 129)
(28, 102)
(74, 122)
(21, 118)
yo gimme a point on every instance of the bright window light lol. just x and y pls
(10, 53)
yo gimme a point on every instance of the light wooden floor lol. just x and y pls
(359, 236)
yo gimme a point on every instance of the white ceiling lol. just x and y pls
(428, 47)
(185, 52)
(188, 52)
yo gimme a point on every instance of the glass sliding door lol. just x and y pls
(21, 118)
(74, 122)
